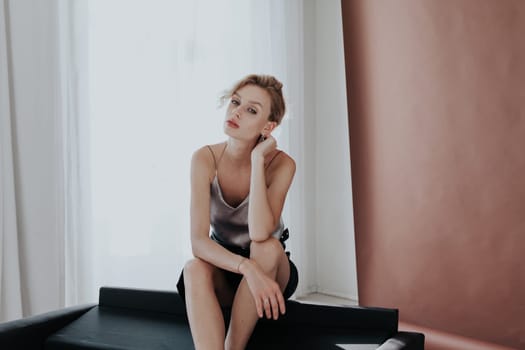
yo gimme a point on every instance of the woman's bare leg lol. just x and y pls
(271, 258)
(201, 281)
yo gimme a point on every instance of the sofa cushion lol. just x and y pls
(121, 328)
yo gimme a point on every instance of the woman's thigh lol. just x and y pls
(283, 271)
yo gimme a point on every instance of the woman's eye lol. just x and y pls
(235, 102)
(252, 110)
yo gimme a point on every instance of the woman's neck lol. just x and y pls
(239, 152)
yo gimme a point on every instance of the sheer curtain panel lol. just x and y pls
(10, 291)
(32, 54)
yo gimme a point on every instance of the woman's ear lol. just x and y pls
(269, 128)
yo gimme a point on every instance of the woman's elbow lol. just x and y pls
(260, 235)
(196, 247)
(262, 232)
(258, 238)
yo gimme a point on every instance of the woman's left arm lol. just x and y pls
(267, 201)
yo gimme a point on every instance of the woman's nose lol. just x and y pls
(237, 112)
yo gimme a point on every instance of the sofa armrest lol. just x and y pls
(404, 341)
(29, 333)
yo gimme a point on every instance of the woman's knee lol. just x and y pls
(270, 249)
(197, 270)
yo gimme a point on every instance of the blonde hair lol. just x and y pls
(268, 83)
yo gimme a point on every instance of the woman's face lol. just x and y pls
(248, 112)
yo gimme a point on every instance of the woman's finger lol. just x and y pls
(267, 307)
(259, 307)
(275, 307)
(282, 303)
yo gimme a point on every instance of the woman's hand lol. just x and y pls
(262, 149)
(266, 293)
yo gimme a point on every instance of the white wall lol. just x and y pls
(327, 127)
(308, 279)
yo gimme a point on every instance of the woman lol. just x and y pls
(239, 188)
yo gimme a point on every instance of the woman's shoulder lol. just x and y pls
(284, 155)
(204, 158)
(280, 159)
(207, 153)
(281, 168)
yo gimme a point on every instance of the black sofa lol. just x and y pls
(150, 320)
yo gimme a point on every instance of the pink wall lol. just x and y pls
(436, 95)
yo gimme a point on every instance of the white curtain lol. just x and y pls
(156, 70)
(31, 192)
(74, 125)
(10, 288)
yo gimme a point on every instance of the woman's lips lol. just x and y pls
(232, 124)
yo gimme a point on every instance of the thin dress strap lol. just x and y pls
(220, 157)
(213, 155)
(271, 160)
(215, 161)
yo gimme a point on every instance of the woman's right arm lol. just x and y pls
(202, 173)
